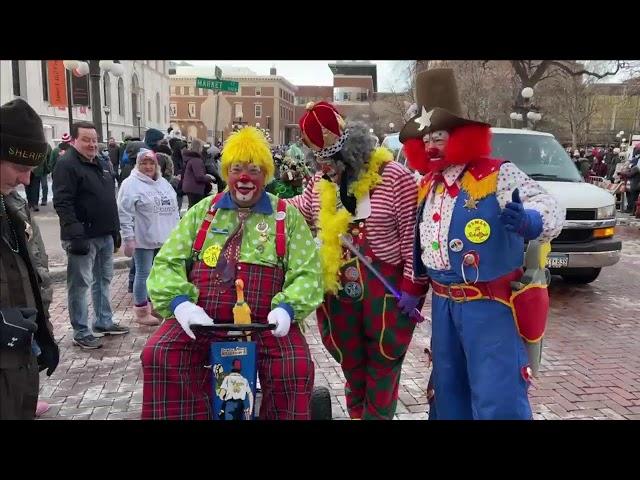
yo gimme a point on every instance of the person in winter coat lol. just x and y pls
(632, 173)
(148, 211)
(38, 178)
(195, 182)
(176, 145)
(57, 153)
(84, 198)
(27, 345)
(128, 160)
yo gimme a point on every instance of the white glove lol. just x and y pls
(188, 313)
(281, 319)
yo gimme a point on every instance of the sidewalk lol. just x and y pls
(107, 383)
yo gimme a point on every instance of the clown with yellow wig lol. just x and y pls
(243, 233)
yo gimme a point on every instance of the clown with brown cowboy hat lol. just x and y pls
(361, 194)
(474, 216)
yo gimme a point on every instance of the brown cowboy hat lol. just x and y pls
(438, 105)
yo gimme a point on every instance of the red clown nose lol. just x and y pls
(433, 152)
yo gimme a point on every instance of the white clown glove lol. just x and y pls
(281, 319)
(188, 314)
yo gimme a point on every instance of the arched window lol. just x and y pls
(157, 107)
(106, 87)
(121, 96)
(135, 105)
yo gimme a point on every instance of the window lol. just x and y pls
(45, 82)
(173, 109)
(258, 110)
(192, 110)
(121, 96)
(258, 91)
(136, 102)
(237, 107)
(15, 73)
(157, 107)
(106, 87)
(187, 90)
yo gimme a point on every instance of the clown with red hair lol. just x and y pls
(474, 216)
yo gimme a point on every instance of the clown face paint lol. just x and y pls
(435, 144)
(330, 168)
(246, 183)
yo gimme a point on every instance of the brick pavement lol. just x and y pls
(591, 359)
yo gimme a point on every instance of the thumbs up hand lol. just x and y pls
(517, 219)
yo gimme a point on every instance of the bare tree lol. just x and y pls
(570, 101)
(532, 72)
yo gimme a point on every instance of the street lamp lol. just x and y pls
(80, 68)
(526, 112)
(139, 116)
(391, 126)
(107, 110)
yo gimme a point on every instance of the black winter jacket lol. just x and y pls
(84, 197)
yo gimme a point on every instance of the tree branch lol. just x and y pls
(575, 73)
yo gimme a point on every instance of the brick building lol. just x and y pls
(262, 100)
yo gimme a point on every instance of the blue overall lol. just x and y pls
(478, 354)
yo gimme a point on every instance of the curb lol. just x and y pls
(59, 274)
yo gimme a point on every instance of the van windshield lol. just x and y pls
(539, 156)
(392, 142)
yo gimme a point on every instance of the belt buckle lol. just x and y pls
(456, 299)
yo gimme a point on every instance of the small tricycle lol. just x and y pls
(234, 366)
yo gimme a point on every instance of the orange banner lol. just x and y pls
(57, 83)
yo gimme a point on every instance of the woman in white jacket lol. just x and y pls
(148, 209)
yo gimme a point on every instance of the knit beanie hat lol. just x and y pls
(143, 153)
(153, 136)
(22, 138)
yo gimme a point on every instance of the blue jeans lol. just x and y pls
(94, 269)
(143, 258)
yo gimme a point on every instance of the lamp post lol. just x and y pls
(139, 116)
(525, 112)
(107, 110)
(391, 127)
(80, 68)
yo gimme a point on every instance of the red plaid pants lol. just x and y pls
(178, 387)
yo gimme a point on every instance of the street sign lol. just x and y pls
(222, 85)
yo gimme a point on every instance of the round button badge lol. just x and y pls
(477, 230)
(456, 245)
(211, 254)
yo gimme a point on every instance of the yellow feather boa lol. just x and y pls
(333, 223)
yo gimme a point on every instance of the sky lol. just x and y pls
(391, 73)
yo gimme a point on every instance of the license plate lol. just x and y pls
(557, 261)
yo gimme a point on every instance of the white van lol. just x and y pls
(586, 243)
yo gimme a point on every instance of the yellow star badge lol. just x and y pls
(471, 204)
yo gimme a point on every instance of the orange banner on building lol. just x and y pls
(57, 83)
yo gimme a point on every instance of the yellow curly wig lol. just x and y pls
(247, 145)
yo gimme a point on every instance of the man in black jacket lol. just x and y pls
(24, 329)
(85, 200)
